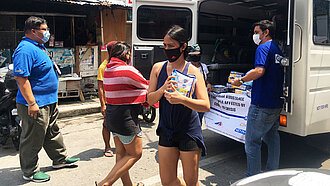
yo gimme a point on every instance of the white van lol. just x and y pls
(223, 28)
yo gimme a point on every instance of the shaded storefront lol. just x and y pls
(77, 35)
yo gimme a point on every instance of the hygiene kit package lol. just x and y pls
(186, 83)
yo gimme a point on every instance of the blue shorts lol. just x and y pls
(127, 139)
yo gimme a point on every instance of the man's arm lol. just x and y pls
(26, 90)
(252, 75)
(101, 96)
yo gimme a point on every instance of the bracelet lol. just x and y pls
(32, 104)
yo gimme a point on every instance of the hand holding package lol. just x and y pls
(185, 83)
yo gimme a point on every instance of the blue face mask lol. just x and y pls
(46, 36)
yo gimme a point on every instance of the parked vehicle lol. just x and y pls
(293, 176)
(223, 28)
(148, 112)
(9, 120)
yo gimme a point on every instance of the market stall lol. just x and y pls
(87, 64)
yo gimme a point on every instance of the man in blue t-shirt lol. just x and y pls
(266, 102)
(37, 80)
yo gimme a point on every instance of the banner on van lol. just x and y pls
(228, 115)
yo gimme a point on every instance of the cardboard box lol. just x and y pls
(73, 85)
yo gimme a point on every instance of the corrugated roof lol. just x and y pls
(95, 2)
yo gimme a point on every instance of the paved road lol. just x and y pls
(225, 159)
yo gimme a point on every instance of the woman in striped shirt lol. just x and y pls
(125, 89)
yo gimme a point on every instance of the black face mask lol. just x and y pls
(195, 58)
(172, 54)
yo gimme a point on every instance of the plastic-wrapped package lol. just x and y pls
(219, 89)
(186, 83)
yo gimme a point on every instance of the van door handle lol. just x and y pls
(301, 38)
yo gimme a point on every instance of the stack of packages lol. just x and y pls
(244, 89)
(219, 89)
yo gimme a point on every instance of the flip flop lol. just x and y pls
(108, 153)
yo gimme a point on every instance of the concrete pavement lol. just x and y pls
(82, 135)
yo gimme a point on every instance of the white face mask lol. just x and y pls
(256, 39)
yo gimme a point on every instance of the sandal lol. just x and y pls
(108, 153)
(139, 184)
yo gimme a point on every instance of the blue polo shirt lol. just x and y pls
(267, 90)
(32, 62)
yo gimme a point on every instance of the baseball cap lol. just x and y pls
(194, 50)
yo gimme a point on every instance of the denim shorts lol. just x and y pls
(127, 139)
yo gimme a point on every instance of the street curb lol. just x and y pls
(78, 110)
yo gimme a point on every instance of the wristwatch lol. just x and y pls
(241, 80)
(32, 104)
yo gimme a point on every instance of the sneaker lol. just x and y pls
(68, 163)
(38, 177)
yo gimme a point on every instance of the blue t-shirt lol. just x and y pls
(32, 62)
(268, 89)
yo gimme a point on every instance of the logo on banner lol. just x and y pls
(242, 124)
(219, 123)
(241, 131)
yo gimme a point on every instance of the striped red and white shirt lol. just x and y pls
(123, 84)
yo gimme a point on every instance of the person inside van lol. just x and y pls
(194, 57)
(179, 129)
(266, 103)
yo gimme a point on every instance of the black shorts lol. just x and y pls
(123, 119)
(181, 140)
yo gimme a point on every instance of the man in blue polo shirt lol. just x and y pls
(266, 102)
(37, 80)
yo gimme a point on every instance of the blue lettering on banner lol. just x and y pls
(322, 107)
(231, 115)
(241, 131)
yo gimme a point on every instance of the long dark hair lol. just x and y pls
(120, 50)
(180, 35)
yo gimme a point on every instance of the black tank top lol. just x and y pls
(177, 118)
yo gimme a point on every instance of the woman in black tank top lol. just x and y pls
(179, 129)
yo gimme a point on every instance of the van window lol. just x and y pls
(321, 26)
(154, 21)
(221, 27)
